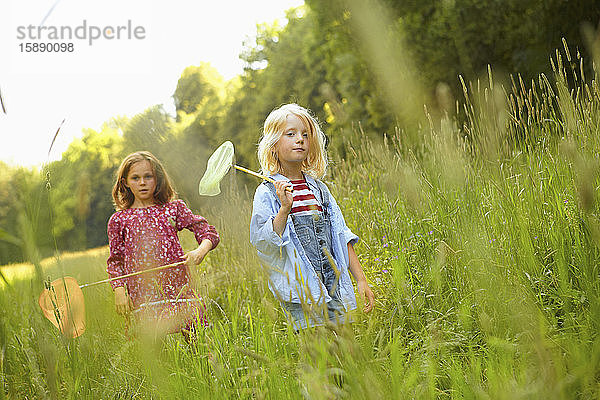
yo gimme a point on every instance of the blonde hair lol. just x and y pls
(123, 197)
(316, 162)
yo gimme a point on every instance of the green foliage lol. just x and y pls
(196, 86)
(24, 214)
(281, 67)
(350, 87)
(149, 130)
(443, 40)
(81, 186)
(9, 249)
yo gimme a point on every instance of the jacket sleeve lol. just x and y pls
(262, 235)
(195, 223)
(115, 263)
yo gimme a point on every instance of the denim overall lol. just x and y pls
(314, 233)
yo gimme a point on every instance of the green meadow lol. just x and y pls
(481, 241)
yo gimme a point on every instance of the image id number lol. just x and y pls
(46, 47)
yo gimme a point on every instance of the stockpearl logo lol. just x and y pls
(84, 31)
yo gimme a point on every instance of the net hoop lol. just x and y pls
(63, 305)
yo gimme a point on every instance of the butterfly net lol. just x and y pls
(218, 165)
(63, 304)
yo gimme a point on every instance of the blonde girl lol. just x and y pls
(296, 231)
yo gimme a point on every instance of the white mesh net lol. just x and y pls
(217, 166)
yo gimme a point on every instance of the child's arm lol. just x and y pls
(206, 234)
(286, 198)
(263, 236)
(198, 225)
(364, 290)
(196, 256)
(123, 304)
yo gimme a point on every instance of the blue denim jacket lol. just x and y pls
(292, 277)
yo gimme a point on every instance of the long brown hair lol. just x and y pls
(123, 198)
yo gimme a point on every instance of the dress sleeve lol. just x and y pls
(115, 263)
(195, 223)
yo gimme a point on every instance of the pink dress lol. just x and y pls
(144, 238)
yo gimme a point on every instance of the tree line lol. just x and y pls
(356, 64)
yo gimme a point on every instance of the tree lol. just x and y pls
(281, 67)
(196, 86)
(149, 130)
(82, 185)
(444, 39)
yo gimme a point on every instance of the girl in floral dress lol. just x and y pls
(142, 235)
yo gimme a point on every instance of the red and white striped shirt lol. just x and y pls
(305, 202)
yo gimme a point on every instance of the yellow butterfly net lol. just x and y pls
(62, 303)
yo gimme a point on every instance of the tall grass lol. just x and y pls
(480, 241)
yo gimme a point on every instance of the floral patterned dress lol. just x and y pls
(144, 238)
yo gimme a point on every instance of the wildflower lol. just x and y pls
(385, 271)
(430, 232)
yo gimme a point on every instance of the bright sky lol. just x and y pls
(111, 76)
